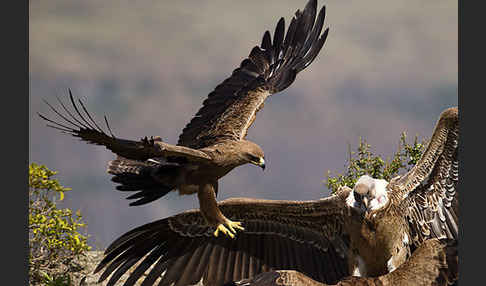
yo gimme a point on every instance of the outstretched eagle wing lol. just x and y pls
(306, 236)
(428, 192)
(230, 109)
(86, 128)
(433, 263)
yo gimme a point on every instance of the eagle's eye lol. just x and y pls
(253, 158)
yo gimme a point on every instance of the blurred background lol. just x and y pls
(387, 67)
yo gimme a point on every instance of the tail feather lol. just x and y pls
(148, 195)
(150, 180)
(126, 166)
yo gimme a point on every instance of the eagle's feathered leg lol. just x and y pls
(212, 214)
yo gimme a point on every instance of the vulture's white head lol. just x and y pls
(368, 194)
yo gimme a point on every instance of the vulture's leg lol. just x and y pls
(212, 214)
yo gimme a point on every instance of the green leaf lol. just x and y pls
(54, 234)
(364, 161)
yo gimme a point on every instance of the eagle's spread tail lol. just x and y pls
(150, 179)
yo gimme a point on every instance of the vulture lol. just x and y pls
(434, 263)
(213, 142)
(367, 231)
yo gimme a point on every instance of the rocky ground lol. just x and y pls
(86, 277)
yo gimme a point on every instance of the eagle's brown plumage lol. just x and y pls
(213, 142)
(230, 109)
(326, 239)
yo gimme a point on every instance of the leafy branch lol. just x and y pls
(363, 161)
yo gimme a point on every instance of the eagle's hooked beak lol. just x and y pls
(260, 163)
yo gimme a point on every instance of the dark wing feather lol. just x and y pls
(278, 235)
(433, 263)
(231, 108)
(85, 127)
(428, 192)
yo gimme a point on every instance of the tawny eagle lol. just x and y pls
(434, 263)
(367, 231)
(213, 142)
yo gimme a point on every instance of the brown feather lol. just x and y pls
(434, 263)
(191, 252)
(428, 194)
(136, 150)
(230, 109)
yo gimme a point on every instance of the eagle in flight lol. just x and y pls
(213, 142)
(367, 231)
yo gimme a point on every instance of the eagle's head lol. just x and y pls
(252, 153)
(368, 194)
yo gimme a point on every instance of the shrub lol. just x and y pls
(54, 237)
(364, 161)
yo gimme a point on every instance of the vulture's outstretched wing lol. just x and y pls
(86, 128)
(433, 263)
(305, 236)
(428, 192)
(230, 109)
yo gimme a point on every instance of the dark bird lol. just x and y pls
(434, 263)
(213, 142)
(367, 231)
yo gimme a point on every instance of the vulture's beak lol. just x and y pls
(365, 203)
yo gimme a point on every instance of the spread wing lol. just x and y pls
(433, 263)
(428, 192)
(230, 109)
(305, 236)
(85, 127)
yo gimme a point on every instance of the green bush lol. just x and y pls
(364, 161)
(54, 237)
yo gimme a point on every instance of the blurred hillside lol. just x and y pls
(387, 67)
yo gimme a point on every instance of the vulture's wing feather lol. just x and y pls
(433, 263)
(428, 192)
(230, 109)
(73, 122)
(305, 236)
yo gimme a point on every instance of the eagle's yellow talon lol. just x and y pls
(234, 224)
(230, 230)
(224, 230)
